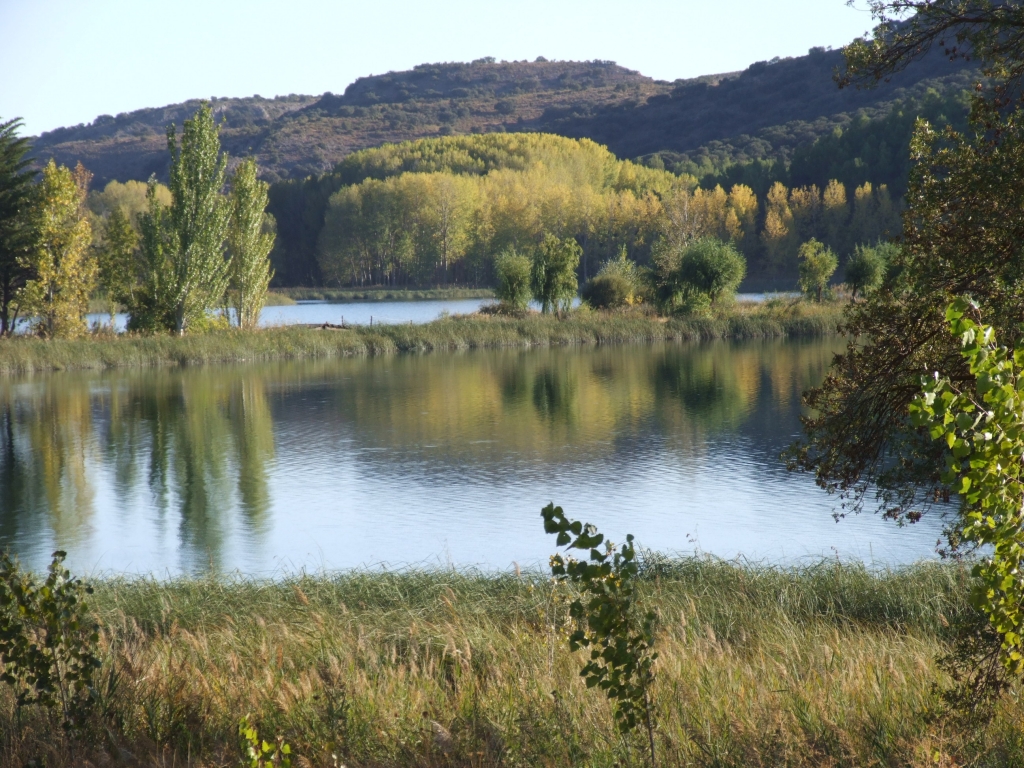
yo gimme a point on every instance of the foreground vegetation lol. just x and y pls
(773, 319)
(827, 664)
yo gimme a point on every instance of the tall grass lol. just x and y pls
(27, 355)
(826, 665)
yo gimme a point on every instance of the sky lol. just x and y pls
(67, 61)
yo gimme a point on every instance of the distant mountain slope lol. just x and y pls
(777, 104)
(763, 112)
(295, 136)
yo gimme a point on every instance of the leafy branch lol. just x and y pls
(606, 619)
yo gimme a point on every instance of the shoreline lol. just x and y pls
(20, 355)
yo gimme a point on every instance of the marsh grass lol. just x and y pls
(107, 350)
(825, 665)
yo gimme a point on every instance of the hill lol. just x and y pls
(697, 126)
(296, 136)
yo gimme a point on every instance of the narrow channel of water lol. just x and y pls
(427, 460)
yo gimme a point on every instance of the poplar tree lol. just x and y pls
(249, 244)
(198, 220)
(16, 232)
(63, 270)
(779, 227)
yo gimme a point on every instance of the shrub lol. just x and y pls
(47, 640)
(513, 272)
(553, 277)
(817, 265)
(689, 278)
(607, 291)
(711, 267)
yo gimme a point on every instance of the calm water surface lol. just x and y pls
(426, 460)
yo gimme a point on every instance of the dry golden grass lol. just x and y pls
(759, 666)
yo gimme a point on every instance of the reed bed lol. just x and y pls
(824, 665)
(21, 355)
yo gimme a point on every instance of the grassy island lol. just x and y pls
(740, 321)
(382, 294)
(823, 665)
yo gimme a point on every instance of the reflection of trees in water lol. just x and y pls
(44, 443)
(253, 432)
(208, 432)
(194, 438)
(197, 443)
(554, 394)
(705, 382)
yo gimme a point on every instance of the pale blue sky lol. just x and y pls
(67, 61)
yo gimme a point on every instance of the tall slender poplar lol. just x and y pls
(249, 244)
(198, 220)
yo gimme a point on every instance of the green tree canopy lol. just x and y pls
(712, 267)
(866, 268)
(512, 270)
(198, 220)
(62, 268)
(249, 244)
(817, 265)
(16, 230)
(117, 259)
(553, 277)
(963, 235)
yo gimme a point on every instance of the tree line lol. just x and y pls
(167, 256)
(439, 211)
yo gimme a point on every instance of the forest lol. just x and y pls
(437, 211)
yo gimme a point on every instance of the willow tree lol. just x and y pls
(553, 278)
(198, 220)
(249, 244)
(63, 270)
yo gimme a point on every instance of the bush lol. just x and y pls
(553, 277)
(689, 278)
(48, 641)
(865, 269)
(608, 291)
(513, 272)
(817, 265)
(711, 267)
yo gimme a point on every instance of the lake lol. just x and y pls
(424, 460)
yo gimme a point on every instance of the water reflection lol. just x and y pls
(413, 458)
(199, 444)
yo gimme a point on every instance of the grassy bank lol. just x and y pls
(383, 294)
(827, 665)
(780, 319)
